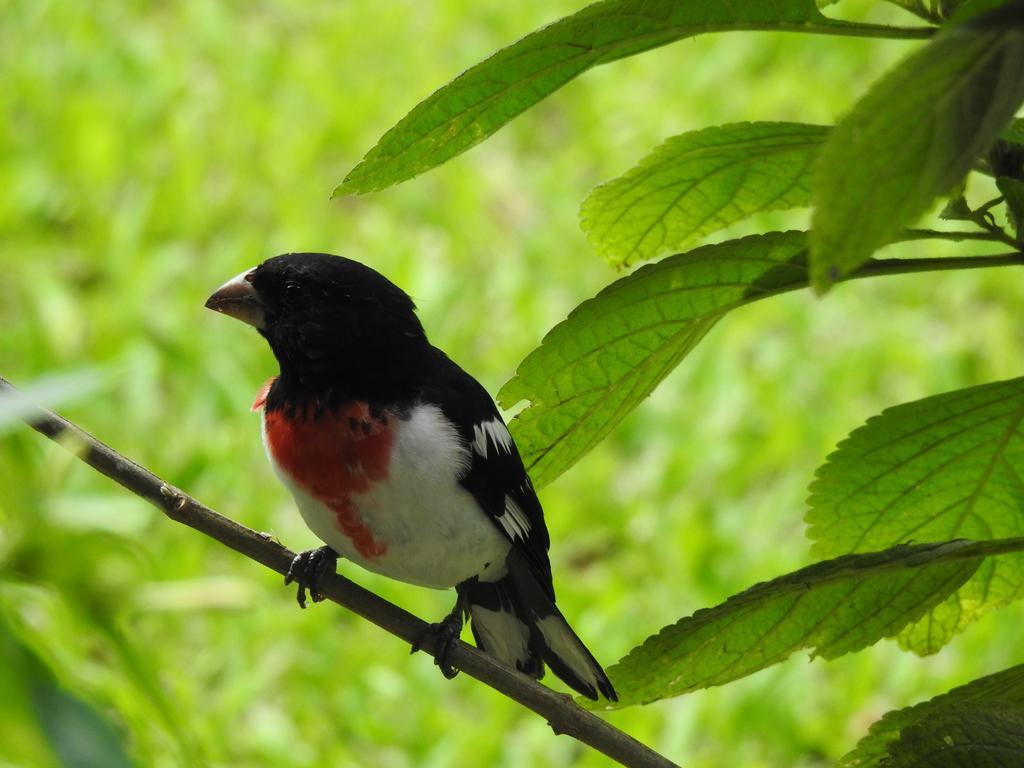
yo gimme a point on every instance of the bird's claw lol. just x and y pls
(308, 569)
(444, 635)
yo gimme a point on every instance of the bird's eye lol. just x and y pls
(291, 288)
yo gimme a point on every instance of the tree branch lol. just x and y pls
(562, 713)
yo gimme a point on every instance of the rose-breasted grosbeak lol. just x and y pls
(399, 460)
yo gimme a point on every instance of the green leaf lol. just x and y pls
(53, 626)
(989, 736)
(595, 366)
(699, 182)
(1004, 688)
(941, 468)
(957, 209)
(485, 97)
(836, 607)
(913, 137)
(78, 731)
(1013, 192)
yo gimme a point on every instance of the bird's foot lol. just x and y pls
(308, 569)
(443, 635)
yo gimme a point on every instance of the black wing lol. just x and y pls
(496, 476)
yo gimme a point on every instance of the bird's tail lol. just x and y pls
(515, 619)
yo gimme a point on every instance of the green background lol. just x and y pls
(149, 151)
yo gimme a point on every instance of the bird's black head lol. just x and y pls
(338, 328)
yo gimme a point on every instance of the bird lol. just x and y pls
(399, 461)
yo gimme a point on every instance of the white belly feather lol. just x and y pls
(435, 533)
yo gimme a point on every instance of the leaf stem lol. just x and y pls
(881, 267)
(882, 31)
(983, 209)
(988, 548)
(937, 234)
(965, 549)
(984, 219)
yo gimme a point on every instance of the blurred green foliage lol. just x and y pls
(150, 150)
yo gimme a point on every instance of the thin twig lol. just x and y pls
(561, 712)
(984, 219)
(983, 209)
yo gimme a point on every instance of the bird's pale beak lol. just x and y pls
(238, 299)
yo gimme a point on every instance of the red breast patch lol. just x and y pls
(334, 455)
(261, 396)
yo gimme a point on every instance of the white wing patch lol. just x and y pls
(514, 520)
(492, 431)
